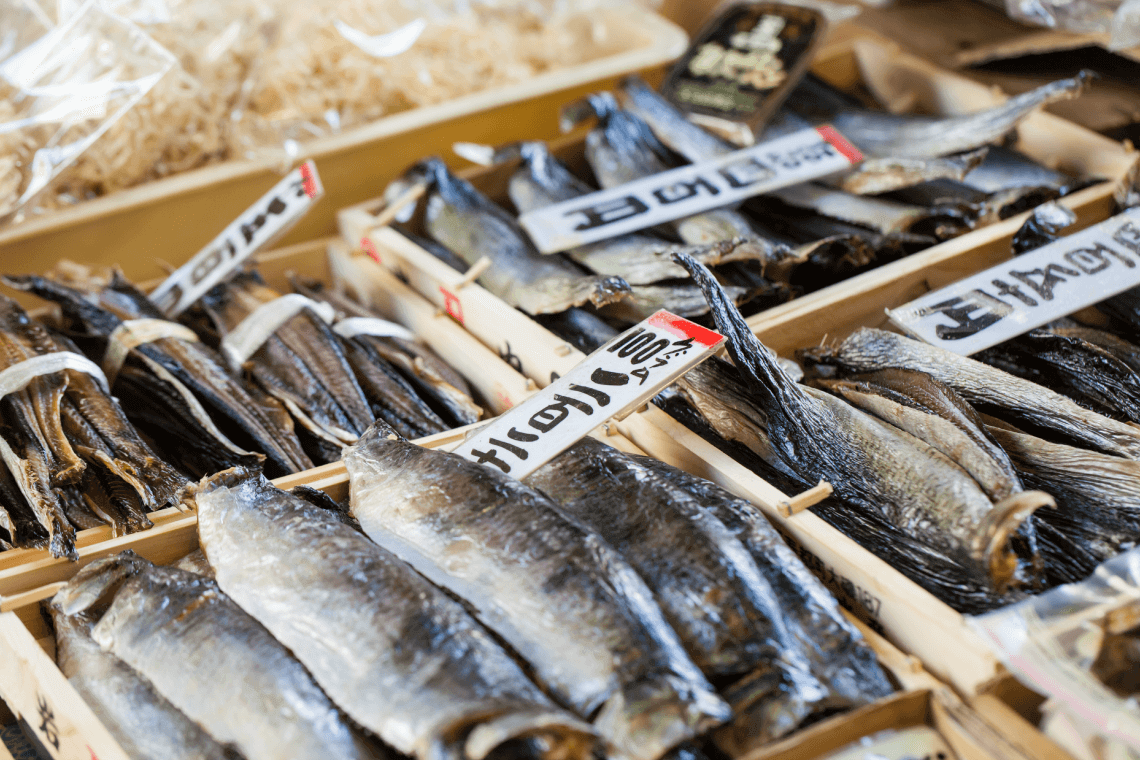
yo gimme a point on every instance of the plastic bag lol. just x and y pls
(1119, 19)
(1054, 642)
(63, 90)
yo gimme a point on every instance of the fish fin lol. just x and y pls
(231, 478)
(564, 736)
(766, 705)
(647, 718)
(95, 581)
(998, 528)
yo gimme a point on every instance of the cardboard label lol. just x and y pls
(612, 381)
(916, 743)
(687, 190)
(745, 62)
(272, 216)
(1030, 290)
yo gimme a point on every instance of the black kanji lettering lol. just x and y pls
(641, 372)
(609, 212)
(491, 457)
(601, 397)
(745, 172)
(1091, 260)
(605, 377)
(962, 309)
(47, 721)
(550, 417)
(518, 435)
(1129, 237)
(1005, 289)
(681, 191)
(1049, 278)
(518, 451)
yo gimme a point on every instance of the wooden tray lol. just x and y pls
(498, 385)
(894, 605)
(38, 693)
(172, 218)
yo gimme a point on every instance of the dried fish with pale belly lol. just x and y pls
(873, 466)
(212, 661)
(421, 672)
(556, 592)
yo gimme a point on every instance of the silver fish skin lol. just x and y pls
(886, 174)
(867, 350)
(459, 217)
(669, 123)
(683, 299)
(838, 654)
(212, 661)
(706, 583)
(140, 719)
(638, 258)
(420, 672)
(885, 135)
(556, 592)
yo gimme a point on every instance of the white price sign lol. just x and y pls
(1030, 290)
(612, 381)
(272, 216)
(687, 190)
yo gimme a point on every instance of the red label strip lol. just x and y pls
(451, 303)
(309, 182)
(683, 328)
(369, 247)
(849, 151)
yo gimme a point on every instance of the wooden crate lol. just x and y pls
(172, 218)
(907, 614)
(499, 387)
(35, 689)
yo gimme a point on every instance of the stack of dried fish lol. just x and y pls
(613, 631)
(625, 584)
(71, 460)
(932, 454)
(925, 180)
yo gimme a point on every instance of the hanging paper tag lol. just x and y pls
(252, 332)
(381, 328)
(675, 194)
(135, 332)
(1030, 290)
(272, 216)
(612, 381)
(17, 377)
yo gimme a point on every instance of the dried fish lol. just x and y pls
(302, 365)
(727, 615)
(557, 593)
(234, 416)
(883, 175)
(683, 298)
(421, 672)
(459, 217)
(988, 389)
(180, 632)
(879, 214)
(874, 466)
(1042, 227)
(934, 413)
(585, 331)
(141, 720)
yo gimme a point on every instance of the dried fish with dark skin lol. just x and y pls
(421, 672)
(1089, 375)
(704, 580)
(875, 466)
(638, 258)
(1042, 227)
(459, 217)
(1098, 496)
(180, 632)
(142, 722)
(988, 389)
(721, 410)
(682, 298)
(302, 365)
(443, 389)
(879, 214)
(585, 331)
(557, 593)
(884, 175)
(623, 148)
(839, 656)
(881, 134)
(218, 406)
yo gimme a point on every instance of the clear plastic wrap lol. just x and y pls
(65, 89)
(1120, 19)
(1055, 644)
(257, 78)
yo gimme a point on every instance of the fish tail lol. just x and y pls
(96, 580)
(769, 703)
(560, 735)
(645, 719)
(998, 529)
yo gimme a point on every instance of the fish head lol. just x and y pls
(97, 581)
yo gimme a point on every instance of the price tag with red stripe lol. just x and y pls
(687, 190)
(266, 220)
(611, 382)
